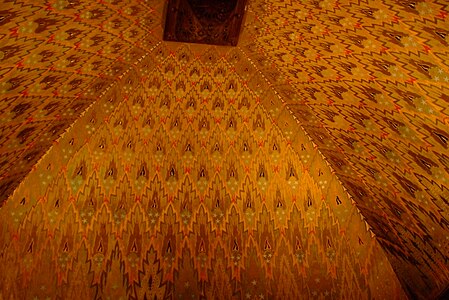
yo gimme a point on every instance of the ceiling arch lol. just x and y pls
(365, 81)
(369, 85)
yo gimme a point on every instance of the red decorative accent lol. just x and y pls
(411, 80)
(442, 15)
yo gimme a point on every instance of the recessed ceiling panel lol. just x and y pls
(215, 22)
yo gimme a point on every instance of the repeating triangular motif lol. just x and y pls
(168, 192)
(282, 168)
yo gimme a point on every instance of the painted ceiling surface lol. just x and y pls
(253, 171)
(368, 81)
(187, 189)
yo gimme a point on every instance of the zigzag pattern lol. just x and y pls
(187, 188)
(51, 55)
(374, 75)
(355, 87)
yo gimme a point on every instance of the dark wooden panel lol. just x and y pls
(214, 22)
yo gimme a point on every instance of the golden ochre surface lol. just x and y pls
(310, 161)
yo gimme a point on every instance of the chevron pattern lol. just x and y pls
(56, 60)
(188, 188)
(308, 162)
(368, 82)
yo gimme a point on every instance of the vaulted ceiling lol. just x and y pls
(354, 93)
